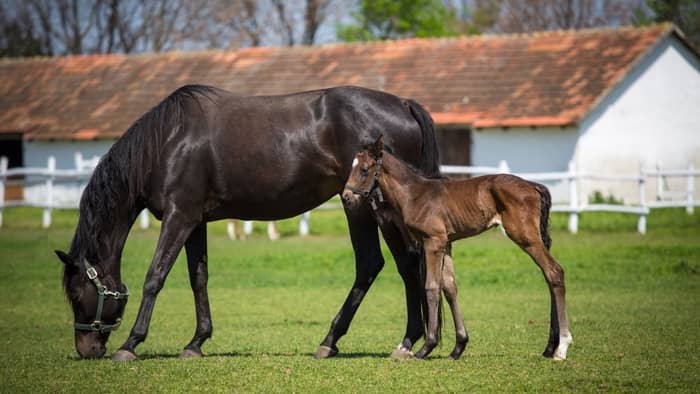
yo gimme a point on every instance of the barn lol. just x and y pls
(605, 100)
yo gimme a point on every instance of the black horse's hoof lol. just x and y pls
(402, 353)
(123, 355)
(325, 352)
(191, 353)
(456, 354)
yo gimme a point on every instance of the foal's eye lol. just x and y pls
(363, 171)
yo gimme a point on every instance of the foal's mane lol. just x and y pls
(432, 175)
(117, 185)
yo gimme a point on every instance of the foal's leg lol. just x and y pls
(368, 263)
(559, 335)
(175, 229)
(407, 265)
(449, 287)
(434, 254)
(196, 248)
(523, 229)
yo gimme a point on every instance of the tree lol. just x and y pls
(683, 13)
(521, 16)
(18, 36)
(391, 19)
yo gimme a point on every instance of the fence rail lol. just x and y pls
(683, 198)
(573, 177)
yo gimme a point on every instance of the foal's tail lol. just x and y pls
(545, 205)
(429, 155)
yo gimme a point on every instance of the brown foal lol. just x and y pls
(439, 211)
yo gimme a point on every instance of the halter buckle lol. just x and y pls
(91, 273)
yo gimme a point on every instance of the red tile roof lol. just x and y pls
(542, 79)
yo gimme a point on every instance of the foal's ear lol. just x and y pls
(66, 259)
(377, 147)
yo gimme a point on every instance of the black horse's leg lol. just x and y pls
(196, 248)
(368, 263)
(407, 265)
(175, 230)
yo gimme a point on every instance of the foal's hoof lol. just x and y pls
(401, 353)
(191, 353)
(123, 355)
(326, 352)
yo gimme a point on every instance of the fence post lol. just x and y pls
(3, 176)
(144, 219)
(659, 182)
(642, 221)
(248, 227)
(573, 198)
(503, 167)
(46, 222)
(690, 186)
(304, 224)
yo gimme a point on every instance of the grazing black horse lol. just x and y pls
(204, 154)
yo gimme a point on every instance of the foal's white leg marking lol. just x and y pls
(400, 346)
(355, 163)
(564, 342)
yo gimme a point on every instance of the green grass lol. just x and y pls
(633, 305)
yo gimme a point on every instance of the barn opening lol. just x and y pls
(11, 148)
(455, 145)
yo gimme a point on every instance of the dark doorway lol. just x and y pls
(455, 145)
(11, 147)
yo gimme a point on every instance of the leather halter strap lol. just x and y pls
(102, 292)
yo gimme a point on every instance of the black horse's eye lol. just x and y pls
(363, 171)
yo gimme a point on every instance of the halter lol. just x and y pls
(367, 193)
(102, 292)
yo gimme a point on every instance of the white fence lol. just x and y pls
(664, 198)
(51, 179)
(50, 188)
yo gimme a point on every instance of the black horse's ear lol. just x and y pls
(377, 147)
(66, 259)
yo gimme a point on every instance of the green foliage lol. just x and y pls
(633, 305)
(598, 198)
(391, 19)
(683, 13)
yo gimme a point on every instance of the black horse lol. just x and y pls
(204, 154)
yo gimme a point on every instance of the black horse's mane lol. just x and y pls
(118, 183)
(429, 174)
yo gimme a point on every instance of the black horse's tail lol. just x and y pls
(429, 155)
(545, 205)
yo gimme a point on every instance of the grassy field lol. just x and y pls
(634, 306)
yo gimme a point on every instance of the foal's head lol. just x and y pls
(366, 168)
(98, 302)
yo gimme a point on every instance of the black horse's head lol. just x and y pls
(98, 300)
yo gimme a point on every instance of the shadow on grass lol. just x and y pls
(165, 356)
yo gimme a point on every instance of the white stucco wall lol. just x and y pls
(653, 116)
(36, 154)
(540, 149)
